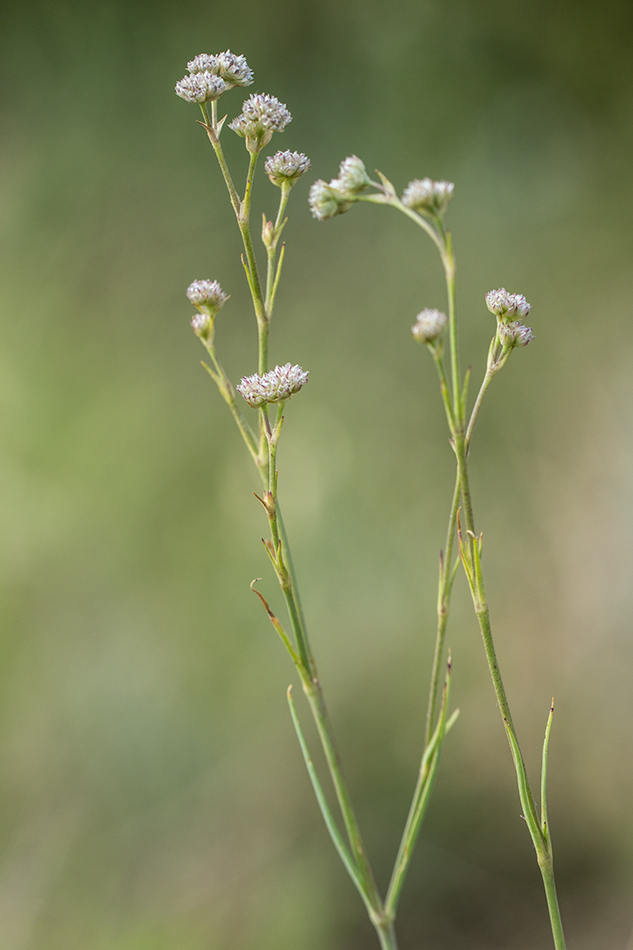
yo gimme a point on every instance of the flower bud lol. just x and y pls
(286, 167)
(429, 326)
(202, 325)
(515, 334)
(275, 386)
(428, 196)
(505, 306)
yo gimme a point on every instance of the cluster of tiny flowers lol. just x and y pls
(201, 87)
(328, 199)
(429, 325)
(275, 386)
(212, 74)
(261, 116)
(209, 298)
(286, 167)
(206, 295)
(352, 176)
(428, 196)
(505, 306)
(515, 334)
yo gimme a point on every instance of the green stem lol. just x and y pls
(540, 840)
(443, 603)
(310, 680)
(419, 803)
(314, 695)
(387, 937)
(547, 872)
(449, 272)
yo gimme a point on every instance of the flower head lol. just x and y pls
(286, 167)
(209, 298)
(428, 196)
(275, 386)
(505, 306)
(352, 176)
(515, 334)
(429, 326)
(261, 116)
(234, 69)
(327, 200)
(203, 63)
(211, 74)
(201, 87)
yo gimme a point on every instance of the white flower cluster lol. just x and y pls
(207, 295)
(505, 305)
(209, 298)
(275, 386)
(429, 325)
(328, 199)
(515, 334)
(211, 74)
(428, 196)
(352, 176)
(261, 116)
(286, 167)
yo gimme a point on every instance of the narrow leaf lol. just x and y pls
(525, 794)
(328, 818)
(278, 627)
(544, 823)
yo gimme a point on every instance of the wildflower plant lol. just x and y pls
(425, 203)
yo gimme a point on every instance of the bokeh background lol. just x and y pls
(152, 795)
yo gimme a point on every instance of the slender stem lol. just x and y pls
(419, 803)
(547, 872)
(310, 680)
(477, 406)
(211, 131)
(541, 842)
(314, 694)
(387, 937)
(449, 272)
(443, 601)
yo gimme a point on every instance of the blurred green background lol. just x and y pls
(152, 795)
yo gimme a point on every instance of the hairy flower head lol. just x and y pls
(261, 116)
(352, 176)
(429, 326)
(207, 295)
(286, 167)
(209, 298)
(203, 63)
(327, 200)
(234, 69)
(201, 87)
(275, 386)
(211, 74)
(515, 334)
(428, 196)
(505, 306)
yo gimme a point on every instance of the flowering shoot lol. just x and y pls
(275, 386)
